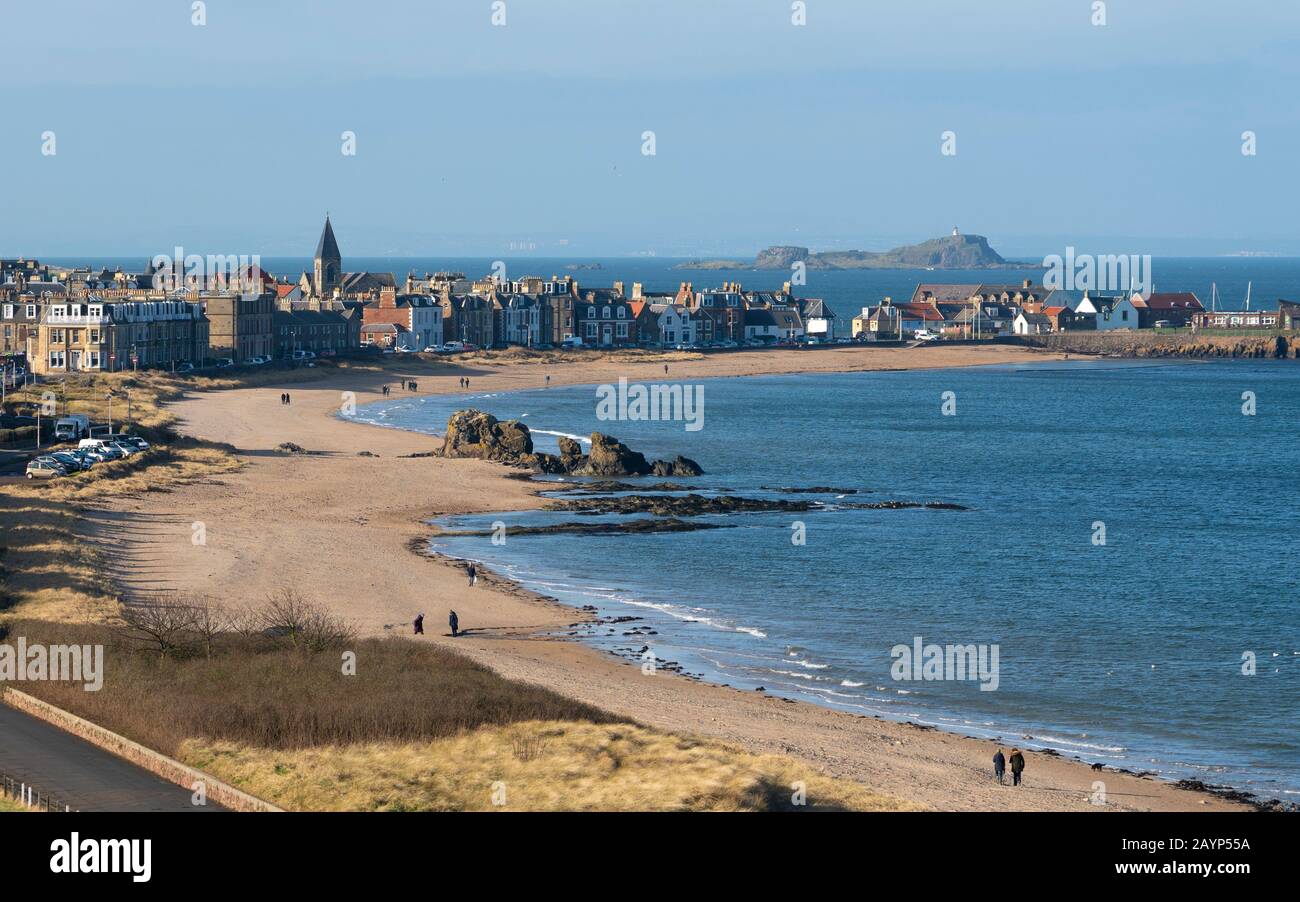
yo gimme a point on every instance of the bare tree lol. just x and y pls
(211, 620)
(163, 621)
(294, 621)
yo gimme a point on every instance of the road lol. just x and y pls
(85, 777)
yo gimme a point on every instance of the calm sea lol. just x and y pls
(1129, 652)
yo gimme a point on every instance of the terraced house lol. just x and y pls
(97, 334)
(605, 322)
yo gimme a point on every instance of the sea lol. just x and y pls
(1129, 544)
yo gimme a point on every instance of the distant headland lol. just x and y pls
(955, 251)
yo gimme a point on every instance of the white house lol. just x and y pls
(1113, 312)
(1031, 324)
(676, 324)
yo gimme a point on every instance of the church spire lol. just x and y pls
(328, 261)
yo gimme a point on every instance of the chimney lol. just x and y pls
(785, 288)
(618, 288)
(388, 296)
(636, 291)
(1029, 283)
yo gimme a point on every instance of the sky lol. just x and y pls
(473, 138)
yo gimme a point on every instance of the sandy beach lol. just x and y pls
(344, 528)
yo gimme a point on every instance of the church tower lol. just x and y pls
(329, 262)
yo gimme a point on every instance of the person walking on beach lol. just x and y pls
(419, 624)
(288, 398)
(454, 622)
(473, 574)
(415, 386)
(1017, 765)
(999, 766)
(548, 380)
(665, 369)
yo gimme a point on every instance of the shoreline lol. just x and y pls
(365, 516)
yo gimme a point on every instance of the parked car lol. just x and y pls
(728, 343)
(452, 347)
(185, 367)
(45, 468)
(102, 448)
(925, 335)
(574, 342)
(71, 462)
(134, 441)
(304, 355)
(224, 362)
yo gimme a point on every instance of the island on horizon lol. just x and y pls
(955, 251)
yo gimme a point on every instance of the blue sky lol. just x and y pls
(474, 139)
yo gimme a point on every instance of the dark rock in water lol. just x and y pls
(811, 490)
(473, 433)
(610, 457)
(678, 505)
(570, 453)
(642, 525)
(678, 466)
(607, 486)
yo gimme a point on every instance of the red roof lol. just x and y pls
(1174, 300)
(920, 311)
(1054, 311)
(283, 290)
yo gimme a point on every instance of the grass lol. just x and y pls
(253, 691)
(533, 766)
(10, 805)
(417, 728)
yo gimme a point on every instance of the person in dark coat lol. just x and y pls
(999, 766)
(1017, 765)
(419, 624)
(454, 622)
(473, 574)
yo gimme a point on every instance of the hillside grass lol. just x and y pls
(10, 805)
(533, 766)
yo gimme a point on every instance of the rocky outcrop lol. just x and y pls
(473, 433)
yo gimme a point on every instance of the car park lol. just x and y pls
(133, 440)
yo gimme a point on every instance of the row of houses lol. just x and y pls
(988, 310)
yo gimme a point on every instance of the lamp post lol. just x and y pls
(109, 396)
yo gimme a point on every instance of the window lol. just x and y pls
(622, 330)
(56, 360)
(622, 312)
(605, 313)
(591, 313)
(591, 330)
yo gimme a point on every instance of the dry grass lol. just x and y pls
(256, 690)
(562, 767)
(10, 805)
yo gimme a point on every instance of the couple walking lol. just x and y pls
(284, 397)
(453, 621)
(1000, 766)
